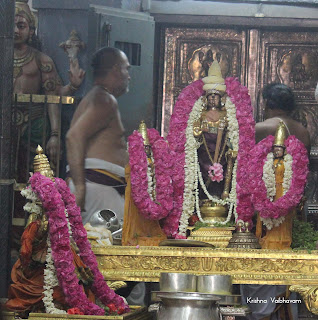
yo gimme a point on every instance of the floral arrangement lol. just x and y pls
(158, 208)
(216, 172)
(239, 96)
(273, 212)
(56, 200)
(177, 142)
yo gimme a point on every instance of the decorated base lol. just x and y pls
(136, 313)
(219, 237)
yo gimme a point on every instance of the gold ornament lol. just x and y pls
(280, 135)
(18, 63)
(143, 131)
(41, 164)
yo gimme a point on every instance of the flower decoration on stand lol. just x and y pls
(56, 199)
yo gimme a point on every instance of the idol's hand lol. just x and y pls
(76, 74)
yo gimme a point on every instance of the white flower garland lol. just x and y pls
(269, 176)
(151, 180)
(270, 183)
(50, 281)
(193, 174)
(233, 126)
(29, 194)
(288, 173)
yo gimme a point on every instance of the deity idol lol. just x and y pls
(215, 152)
(277, 236)
(56, 263)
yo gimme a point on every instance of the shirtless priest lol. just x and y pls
(96, 147)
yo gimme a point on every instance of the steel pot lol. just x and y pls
(177, 282)
(215, 284)
(187, 306)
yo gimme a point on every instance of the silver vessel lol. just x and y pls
(187, 306)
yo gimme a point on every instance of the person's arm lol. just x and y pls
(96, 117)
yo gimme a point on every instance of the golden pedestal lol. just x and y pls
(136, 313)
(212, 213)
(217, 236)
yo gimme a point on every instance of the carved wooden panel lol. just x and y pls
(188, 53)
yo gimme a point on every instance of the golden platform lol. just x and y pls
(249, 266)
(246, 266)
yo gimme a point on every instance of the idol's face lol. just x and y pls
(22, 30)
(278, 151)
(213, 101)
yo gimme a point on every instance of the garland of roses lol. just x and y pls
(244, 115)
(177, 140)
(79, 234)
(160, 207)
(282, 206)
(60, 245)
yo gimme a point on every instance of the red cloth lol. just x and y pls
(26, 291)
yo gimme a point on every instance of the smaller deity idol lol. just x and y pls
(211, 133)
(278, 237)
(138, 230)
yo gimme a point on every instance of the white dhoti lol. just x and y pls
(99, 196)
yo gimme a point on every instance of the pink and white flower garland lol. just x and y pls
(53, 198)
(159, 208)
(281, 207)
(244, 115)
(177, 141)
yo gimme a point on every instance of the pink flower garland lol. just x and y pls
(60, 244)
(99, 287)
(158, 209)
(282, 206)
(177, 139)
(244, 115)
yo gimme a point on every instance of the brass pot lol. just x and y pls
(212, 212)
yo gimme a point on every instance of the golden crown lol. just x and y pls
(280, 135)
